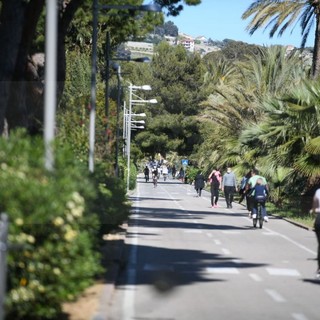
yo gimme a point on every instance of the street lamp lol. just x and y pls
(128, 122)
(95, 9)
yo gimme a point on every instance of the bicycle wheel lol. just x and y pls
(260, 216)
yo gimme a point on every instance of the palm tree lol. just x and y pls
(282, 14)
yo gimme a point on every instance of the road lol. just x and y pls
(188, 261)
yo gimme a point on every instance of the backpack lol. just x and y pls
(260, 193)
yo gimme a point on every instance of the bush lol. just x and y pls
(110, 204)
(52, 232)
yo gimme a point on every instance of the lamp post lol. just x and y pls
(129, 120)
(50, 81)
(95, 9)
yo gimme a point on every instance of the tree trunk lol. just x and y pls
(24, 106)
(11, 28)
(316, 53)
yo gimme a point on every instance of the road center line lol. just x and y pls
(277, 297)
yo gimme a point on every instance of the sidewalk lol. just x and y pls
(93, 304)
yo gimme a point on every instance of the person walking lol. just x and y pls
(229, 185)
(146, 172)
(316, 210)
(215, 185)
(199, 183)
(243, 184)
(173, 171)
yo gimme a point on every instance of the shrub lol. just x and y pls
(52, 233)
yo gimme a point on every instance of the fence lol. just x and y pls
(3, 260)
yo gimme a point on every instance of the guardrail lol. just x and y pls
(4, 224)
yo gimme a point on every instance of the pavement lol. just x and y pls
(115, 260)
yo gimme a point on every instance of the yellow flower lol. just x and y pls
(4, 166)
(19, 222)
(23, 282)
(70, 205)
(58, 221)
(70, 235)
(31, 239)
(56, 271)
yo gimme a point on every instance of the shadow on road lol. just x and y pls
(166, 269)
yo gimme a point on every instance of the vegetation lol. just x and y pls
(280, 15)
(245, 106)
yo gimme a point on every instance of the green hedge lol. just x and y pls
(56, 221)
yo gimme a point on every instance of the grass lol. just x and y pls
(293, 213)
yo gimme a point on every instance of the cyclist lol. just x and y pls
(250, 192)
(155, 174)
(260, 193)
(146, 173)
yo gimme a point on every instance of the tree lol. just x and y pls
(18, 29)
(280, 15)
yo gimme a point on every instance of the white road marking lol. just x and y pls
(151, 230)
(222, 270)
(226, 251)
(192, 231)
(299, 316)
(231, 232)
(218, 242)
(277, 297)
(292, 241)
(209, 235)
(237, 261)
(255, 277)
(283, 272)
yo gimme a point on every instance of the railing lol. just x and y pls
(3, 260)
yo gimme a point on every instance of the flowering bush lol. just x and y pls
(53, 235)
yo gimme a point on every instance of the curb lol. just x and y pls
(115, 245)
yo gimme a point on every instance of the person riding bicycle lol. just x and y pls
(249, 188)
(146, 173)
(155, 174)
(260, 194)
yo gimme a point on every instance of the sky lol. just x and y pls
(221, 19)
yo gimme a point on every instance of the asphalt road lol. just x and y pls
(188, 261)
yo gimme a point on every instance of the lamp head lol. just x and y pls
(152, 7)
(153, 101)
(140, 114)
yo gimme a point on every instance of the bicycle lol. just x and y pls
(155, 180)
(146, 176)
(259, 217)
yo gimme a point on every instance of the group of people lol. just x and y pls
(253, 186)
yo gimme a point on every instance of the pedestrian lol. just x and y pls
(199, 183)
(215, 185)
(316, 210)
(229, 185)
(146, 172)
(181, 174)
(243, 184)
(173, 171)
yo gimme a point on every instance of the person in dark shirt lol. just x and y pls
(199, 183)
(260, 193)
(146, 172)
(215, 184)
